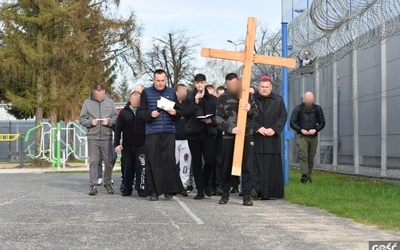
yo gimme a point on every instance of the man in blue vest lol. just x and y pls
(162, 175)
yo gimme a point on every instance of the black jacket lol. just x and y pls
(271, 114)
(227, 113)
(207, 105)
(132, 128)
(180, 125)
(305, 118)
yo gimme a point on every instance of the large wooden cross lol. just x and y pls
(248, 58)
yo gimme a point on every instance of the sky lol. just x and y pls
(212, 22)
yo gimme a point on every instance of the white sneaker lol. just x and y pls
(99, 181)
(112, 182)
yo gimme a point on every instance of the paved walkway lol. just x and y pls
(53, 211)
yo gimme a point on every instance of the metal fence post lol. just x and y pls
(335, 114)
(356, 149)
(21, 151)
(383, 105)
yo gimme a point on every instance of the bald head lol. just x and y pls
(139, 88)
(308, 99)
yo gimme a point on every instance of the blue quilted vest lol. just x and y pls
(163, 123)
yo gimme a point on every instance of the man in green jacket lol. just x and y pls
(98, 115)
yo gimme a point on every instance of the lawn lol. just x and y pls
(362, 199)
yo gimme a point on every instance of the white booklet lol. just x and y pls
(165, 104)
(205, 116)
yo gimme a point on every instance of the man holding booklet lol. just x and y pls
(201, 130)
(159, 109)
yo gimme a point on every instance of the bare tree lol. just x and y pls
(175, 53)
(217, 69)
(267, 44)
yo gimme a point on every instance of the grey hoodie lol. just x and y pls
(93, 109)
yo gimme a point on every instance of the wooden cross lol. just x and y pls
(248, 58)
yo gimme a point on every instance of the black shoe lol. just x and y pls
(168, 196)
(199, 196)
(254, 194)
(304, 179)
(224, 199)
(241, 192)
(153, 197)
(219, 191)
(109, 189)
(122, 188)
(184, 193)
(208, 192)
(126, 193)
(142, 193)
(247, 201)
(310, 180)
(190, 189)
(93, 190)
(235, 190)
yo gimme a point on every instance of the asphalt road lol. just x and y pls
(53, 211)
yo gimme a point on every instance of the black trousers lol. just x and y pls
(216, 177)
(134, 162)
(202, 148)
(247, 178)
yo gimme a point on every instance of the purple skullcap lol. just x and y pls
(265, 78)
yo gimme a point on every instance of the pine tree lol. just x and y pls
(52, 52)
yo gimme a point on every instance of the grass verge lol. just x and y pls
(364, 200)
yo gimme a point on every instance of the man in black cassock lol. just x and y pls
(268, 126)
(162, 175)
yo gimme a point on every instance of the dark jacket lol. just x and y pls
(93, 109)
(227, 112)
(180, 125)
(164, 123)
(207, 105)
(304, 118)
(271, 114)
(132, 128)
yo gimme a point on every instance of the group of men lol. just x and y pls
(168, 137)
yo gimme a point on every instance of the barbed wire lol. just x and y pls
(335, 28)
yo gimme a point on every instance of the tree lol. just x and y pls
(175, 53)
(217, 69)
(53, 51)
(124, 90)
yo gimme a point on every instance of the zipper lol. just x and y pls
(100, 118)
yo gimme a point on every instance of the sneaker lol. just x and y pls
(190, 189)
(109, 189)
(122, 188)
(153, 197)
(224, 199)
(99, 181)
(240, 192)
(112, 182)
(93, 190)
(184, 193)
(247, 201)
(304, 179)
(142, 193)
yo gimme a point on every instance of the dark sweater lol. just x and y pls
(131, 127)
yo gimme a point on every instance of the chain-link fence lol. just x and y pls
(360, 96)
